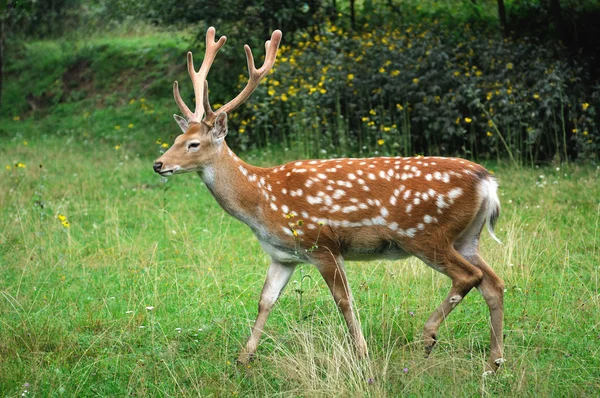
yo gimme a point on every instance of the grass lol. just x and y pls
(152, 289)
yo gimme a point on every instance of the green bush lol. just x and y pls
(422, 89)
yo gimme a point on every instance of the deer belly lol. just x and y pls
(387, 250)
(282, 254)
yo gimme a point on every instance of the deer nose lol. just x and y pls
(157, 166)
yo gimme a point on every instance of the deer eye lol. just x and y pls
(193, 145)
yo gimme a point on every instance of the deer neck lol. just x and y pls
(235, 185)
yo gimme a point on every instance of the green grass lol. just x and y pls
(73, 301)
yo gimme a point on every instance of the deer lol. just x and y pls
(328, 211)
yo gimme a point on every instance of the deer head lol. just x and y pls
(204, 130)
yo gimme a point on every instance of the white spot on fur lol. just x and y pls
(455, 193)
(338, 194)
(313, 200)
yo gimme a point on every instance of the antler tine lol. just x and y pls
(182, 106)
(209, 114)
(255, 75)
(198, 78)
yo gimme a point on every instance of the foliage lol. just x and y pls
(423, 89)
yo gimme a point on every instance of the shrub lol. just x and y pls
(422, 88)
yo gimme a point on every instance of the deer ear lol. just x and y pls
(182, 122)
(219, 130)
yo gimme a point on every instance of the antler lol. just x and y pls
(254, 76)
(199, 78)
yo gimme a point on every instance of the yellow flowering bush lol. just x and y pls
(450, 94)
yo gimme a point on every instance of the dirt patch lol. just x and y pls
(77, 78)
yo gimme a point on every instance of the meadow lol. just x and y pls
(115, 282)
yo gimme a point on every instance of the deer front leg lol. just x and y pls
(278, 276)
(332, 270)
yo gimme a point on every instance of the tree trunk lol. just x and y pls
(2, 37)
(502, 16)
(352, 15)
(556, 12)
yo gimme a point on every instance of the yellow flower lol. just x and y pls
(294, 232)
(20, 165)
(386, 129)
(130, 125)
(489, 134)
(61, 218)
(372, 112)
(290, 215)
(468, 120)
(241, 130)
(25, 143)
(585, 105)
(416, 80)
(536, 96)
(117, 147)
(399, 107)
(271, 92)
(142, 99)
(117, 127)
(489, 96)
(66, 224)
(382, 70)
(8, 167)
(380, 142)
(371, 123)
(165, 145)
(284, 97)
(585, 132)
(350, 76)
(490, 123)
(509, 65)
(395, 73)
(158, 141)
(322, 91)
(574, 131)
(16, 118)
(456, 73)
(365, 119)
(478, 73)
(457, 121)
(131, 101)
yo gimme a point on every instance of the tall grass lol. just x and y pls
(152, 291)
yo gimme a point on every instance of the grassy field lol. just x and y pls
(113, 282)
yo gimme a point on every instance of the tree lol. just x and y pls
(502, 16)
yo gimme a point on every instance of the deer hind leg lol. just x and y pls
(492, 290)
(332, 270)
(278, 276)
(464, 277)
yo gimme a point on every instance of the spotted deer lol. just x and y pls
(327, 211)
